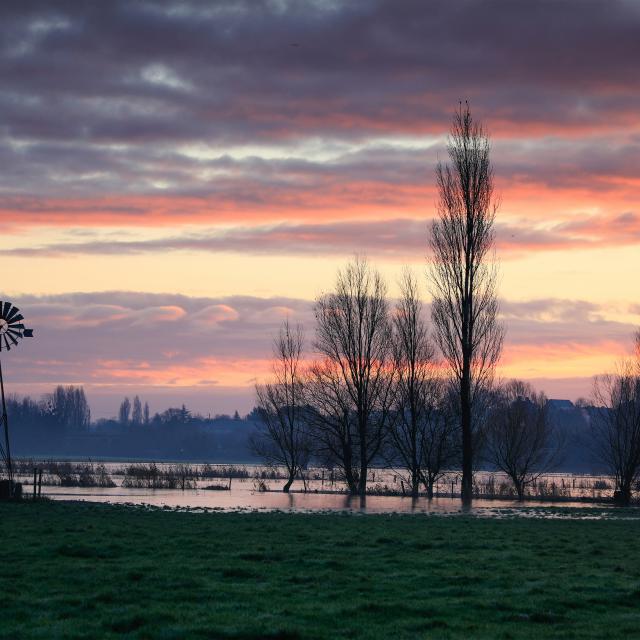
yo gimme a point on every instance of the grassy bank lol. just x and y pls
(74, 570)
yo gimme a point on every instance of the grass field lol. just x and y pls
(74, 570)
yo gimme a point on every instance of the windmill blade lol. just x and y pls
(5, 309)
(12, 312)
(11, 317)
(13, 335)
(17, 327)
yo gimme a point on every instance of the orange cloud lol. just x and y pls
(199, 372)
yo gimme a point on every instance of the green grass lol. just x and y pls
(74, 570)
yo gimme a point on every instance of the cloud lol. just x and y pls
(368, 180)
(137, 113)
(121, 340)
(116, 336)
(398, 239)
(245, 70)
(214, 314)
(299, 128)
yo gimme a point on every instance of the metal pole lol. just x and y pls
(5, 423)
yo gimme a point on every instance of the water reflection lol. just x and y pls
(355, 503)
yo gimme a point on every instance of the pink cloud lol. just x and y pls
(227, 341)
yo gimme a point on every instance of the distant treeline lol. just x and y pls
(59, 424)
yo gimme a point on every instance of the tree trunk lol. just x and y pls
(466, 489)
(362, 480)
(348, 466)
(415, 483)
(289, 482)
(430, 489)
(519, 489)
(622, 497)
(352, 485)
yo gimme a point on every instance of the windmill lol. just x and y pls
(12, 330)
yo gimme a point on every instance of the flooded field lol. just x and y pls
(252, 487)
(243, 497)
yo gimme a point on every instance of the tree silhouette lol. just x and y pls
(421, 432)
(136, 412)
(281, 438)
(616, 424)
(353, 334)
(124, 411)
(463, 278)
(520, 438)
(69, 408)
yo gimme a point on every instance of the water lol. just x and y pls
(325, 494)
(243, 497)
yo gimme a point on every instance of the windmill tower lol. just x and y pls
(12, 330)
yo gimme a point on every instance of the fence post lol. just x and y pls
(34, 482)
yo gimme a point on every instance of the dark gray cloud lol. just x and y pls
(562, 323)
(63, 183)
(99, 98)
(66, 169)
(247, 67)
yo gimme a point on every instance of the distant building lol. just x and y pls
(561, 405)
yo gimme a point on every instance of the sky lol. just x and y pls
(179, 177)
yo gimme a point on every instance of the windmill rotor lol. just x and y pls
(12, 328)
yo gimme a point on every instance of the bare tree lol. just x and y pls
(331, 421)
(520, 439)
(463, 275)
(616, 424)
(353, 335)
(440, 446)
(420, 431)
(283, 440)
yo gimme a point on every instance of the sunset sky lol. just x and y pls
(179, 177)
